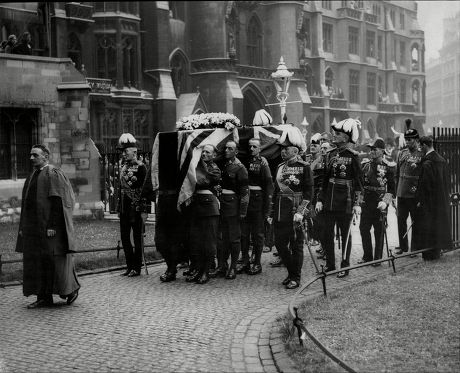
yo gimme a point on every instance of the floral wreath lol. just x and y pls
(208, 121)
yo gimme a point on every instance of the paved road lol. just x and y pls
(139, 324)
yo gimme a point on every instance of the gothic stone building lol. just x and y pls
(103, 68)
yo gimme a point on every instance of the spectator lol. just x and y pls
(23, 46)
(433, 201)
(12, 41)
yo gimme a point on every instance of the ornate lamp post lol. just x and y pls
(282, 78)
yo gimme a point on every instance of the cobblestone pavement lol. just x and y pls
(136, 324)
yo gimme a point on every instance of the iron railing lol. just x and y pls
(303, 331)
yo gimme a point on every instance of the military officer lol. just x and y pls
(234, 201)
(408, 170)
(134, 204)
(259, 209)
(317, 165)
(379, 189)
(292, 195)
(340, 191)
(204, 222)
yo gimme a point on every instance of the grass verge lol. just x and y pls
(406, 322)
(90, 234)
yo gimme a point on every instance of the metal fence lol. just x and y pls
(111, 164)
(447, 144)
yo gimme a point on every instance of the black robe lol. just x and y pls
(433, 197)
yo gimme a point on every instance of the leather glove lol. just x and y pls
(298, 218)
(319, 206)
(269, 220)
(357, 210)
(382, 206)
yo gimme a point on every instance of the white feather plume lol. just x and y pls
(348, 126)
(401, 139)
(316, 137)
(126, 138)
(262, 118)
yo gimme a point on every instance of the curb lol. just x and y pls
(282, 360)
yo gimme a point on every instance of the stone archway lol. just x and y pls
(253, 100)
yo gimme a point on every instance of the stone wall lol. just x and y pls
(61, 95)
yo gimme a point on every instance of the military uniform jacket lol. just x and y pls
(378, 184)
(408, 171)
(342, 185)
(318, 166)
(132, 180)
(293, 189)
(235, 178)
(207, 177)
(260, 175)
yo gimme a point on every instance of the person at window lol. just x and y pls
(23, 46)
(340, 191)
(12, 40)
(46, 233)
(134, 204)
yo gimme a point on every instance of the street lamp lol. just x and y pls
(282, 78)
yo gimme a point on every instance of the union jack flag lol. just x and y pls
(175, 155)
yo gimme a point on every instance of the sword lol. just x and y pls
(345, 248)
(408, 229)
(142, 246)
(309, 248)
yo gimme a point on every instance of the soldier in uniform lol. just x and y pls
(134, 204)
(259, 209)
(293, 194)
(317, 165)
(234, 201)
(379, 189)
(407, 175)
(204, 222)
(340, 191)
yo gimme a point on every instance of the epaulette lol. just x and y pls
(389, 163)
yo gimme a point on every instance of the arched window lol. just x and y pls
(179, 73)
(416, 94)
(318, 125)
(74, 49)
(415, 60)
(329, 77)
(253, 100)
(129, 61)
(106, 58)
(254, 45)
(309, 78)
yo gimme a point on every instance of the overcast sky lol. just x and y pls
(430, 15)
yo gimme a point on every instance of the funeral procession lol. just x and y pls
(230, 186)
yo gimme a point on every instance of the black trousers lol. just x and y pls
(289, 245)
(230, 244)
(343, 220)
(406, 207)
(203, 241)
(371, 218)
(132, 222)
(316, 227)
(252, 227)
(168, 239)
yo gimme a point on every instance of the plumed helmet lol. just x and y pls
(292, 136)
(411, 133)
(262, 118)
(377, 144)
(348, 126)
(126, 140)
(315, 139)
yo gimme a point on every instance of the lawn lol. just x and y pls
(406, 322)
(90, 234)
